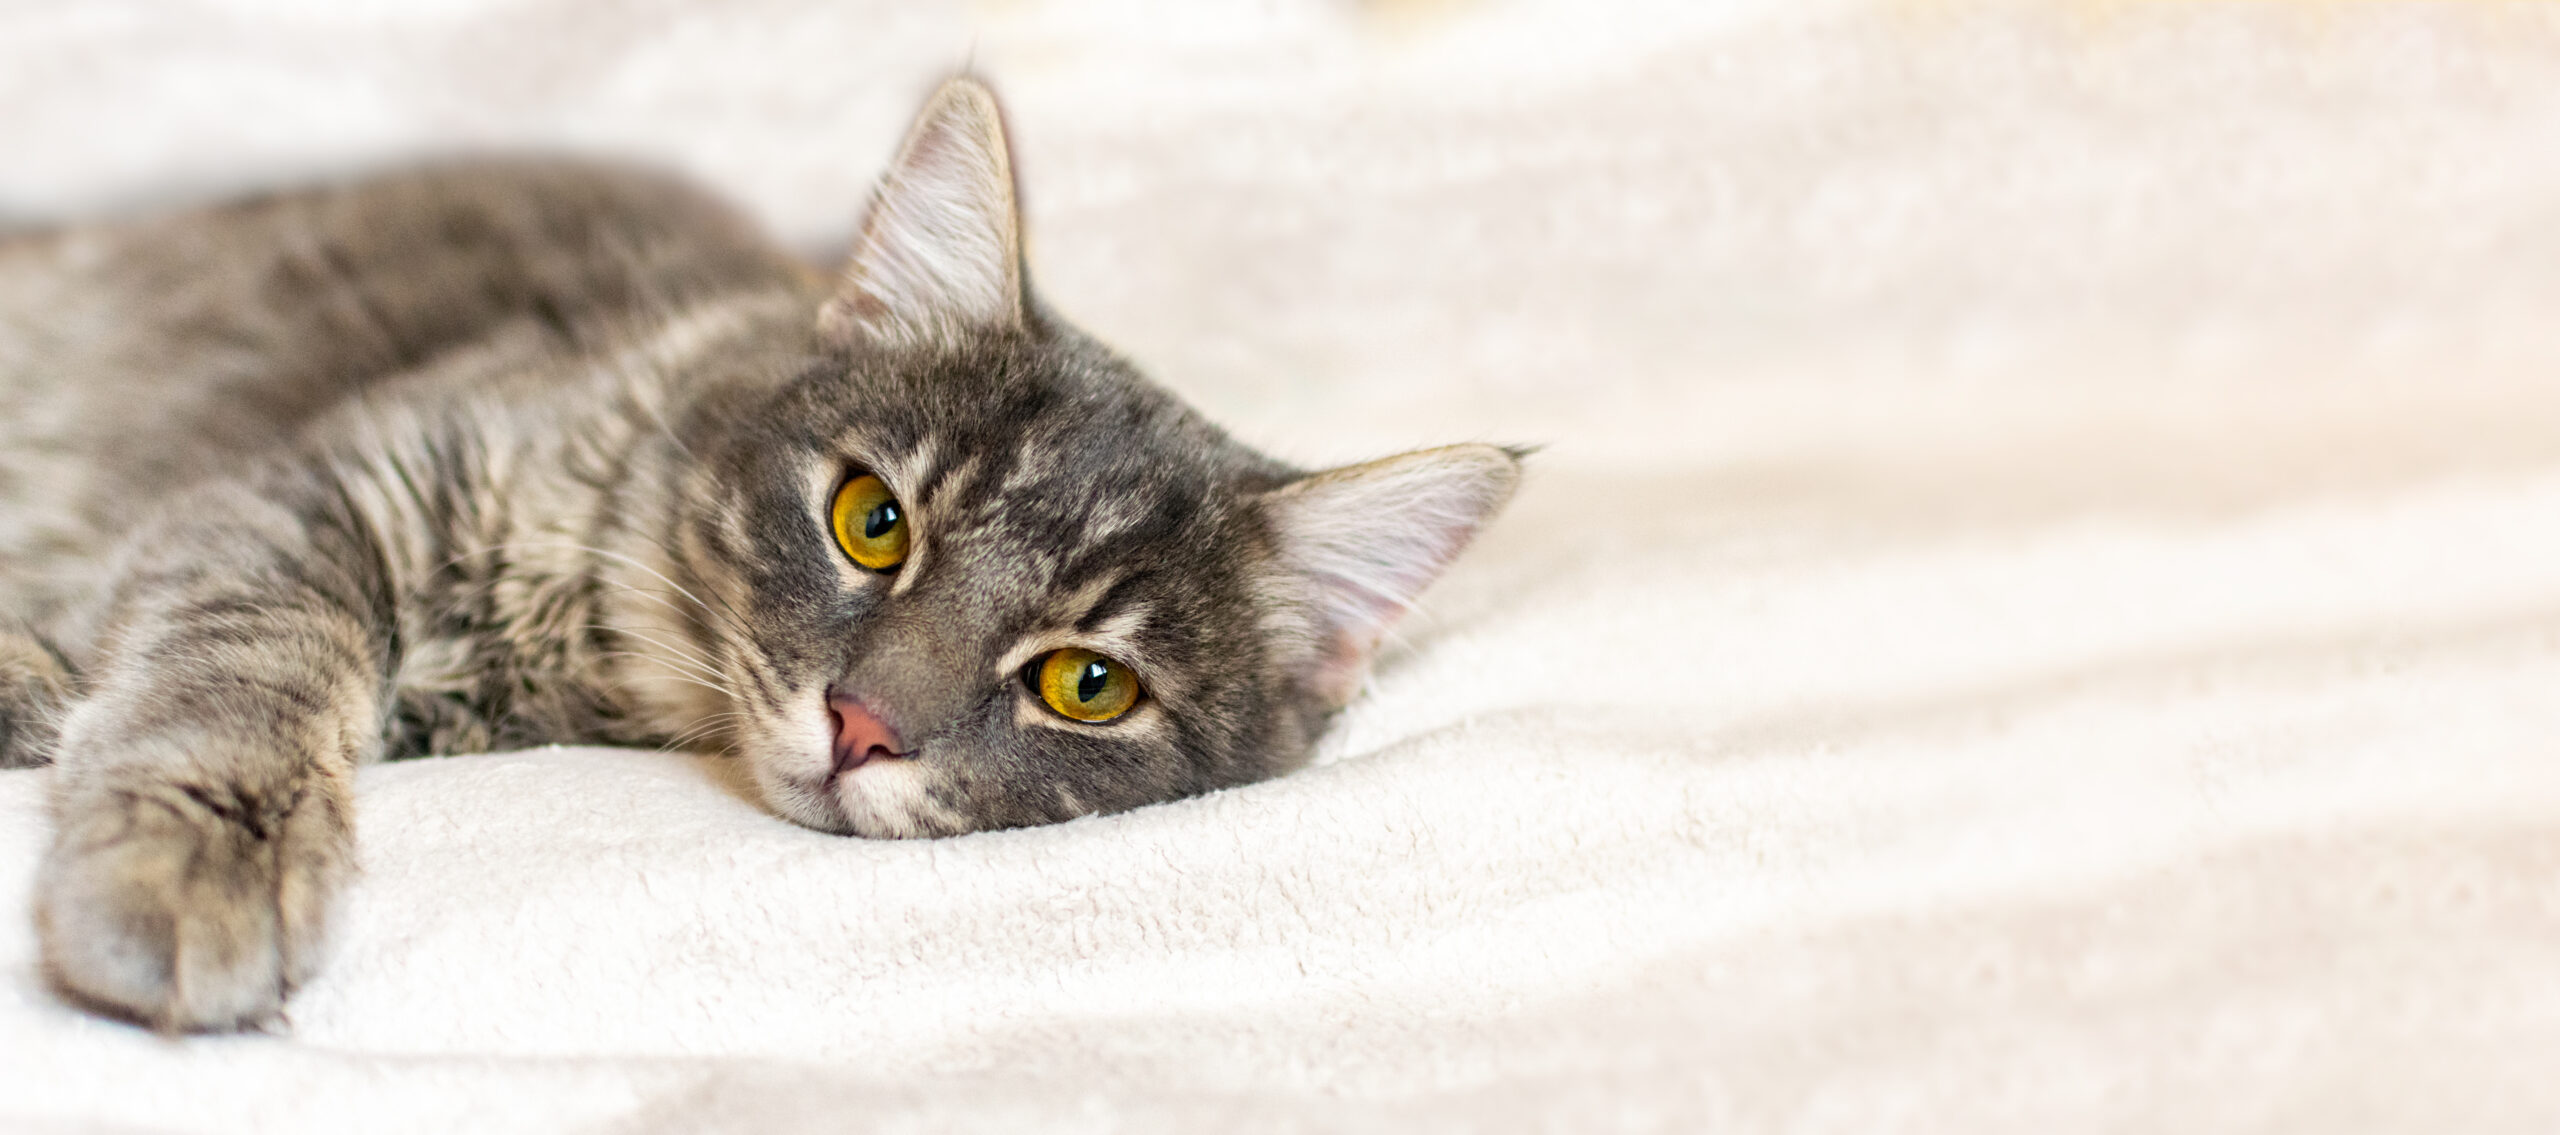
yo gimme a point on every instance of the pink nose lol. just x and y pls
(860, 734)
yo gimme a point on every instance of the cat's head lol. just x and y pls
(974, 571)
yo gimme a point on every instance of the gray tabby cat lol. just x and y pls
(509, 453)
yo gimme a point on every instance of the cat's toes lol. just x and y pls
(183, 908)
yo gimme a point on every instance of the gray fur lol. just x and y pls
(505, 453)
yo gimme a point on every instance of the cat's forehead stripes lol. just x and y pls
(1116, 609)
(1123, 626)
(1072, 606)
(1031, 463)
(913, 466)
(1095, 614)
(1112, 517)
(1030, 516)
(949, 487)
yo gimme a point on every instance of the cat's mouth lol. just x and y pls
(864, 782)
(834, 801)
(882, 798)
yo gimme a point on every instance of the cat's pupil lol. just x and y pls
(1089, 684)
(881, 520)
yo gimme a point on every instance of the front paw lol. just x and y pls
(188, 907)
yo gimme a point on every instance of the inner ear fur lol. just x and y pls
(1363, 541)
(938, 256)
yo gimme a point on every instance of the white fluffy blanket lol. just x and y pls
(2040, 609)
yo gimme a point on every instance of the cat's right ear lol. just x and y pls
(1363, 541)
(939, 254)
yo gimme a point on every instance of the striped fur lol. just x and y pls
(508, 453)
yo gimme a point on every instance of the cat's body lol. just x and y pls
(487, 355)
(510, 453)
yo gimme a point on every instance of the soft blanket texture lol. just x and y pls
(2040, 608)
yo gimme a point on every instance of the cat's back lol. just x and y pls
(140, 356)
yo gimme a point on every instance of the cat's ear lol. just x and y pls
(1364, 540)
(939, 254)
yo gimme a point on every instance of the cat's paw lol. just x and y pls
(187, 907)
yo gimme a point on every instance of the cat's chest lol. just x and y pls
(503, 679)
(496, 515)
(500, 643)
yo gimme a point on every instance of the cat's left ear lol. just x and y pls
(1364, 540)
(939, 254)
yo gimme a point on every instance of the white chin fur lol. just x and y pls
(880, 800)
(887, 800)
(801, 802)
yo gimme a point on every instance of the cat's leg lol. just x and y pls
(202, 793)
(35, 686)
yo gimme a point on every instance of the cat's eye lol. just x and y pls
(870, 526)
(1082, 685)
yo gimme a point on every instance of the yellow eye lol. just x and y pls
(870, 526)
(1085, 686)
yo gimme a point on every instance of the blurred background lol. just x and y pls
(1713, 224)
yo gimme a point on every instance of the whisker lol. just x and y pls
(719, 611)
(679, 588)
(678, 655)
(700, 730)
(626, 682)
(659, 598)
